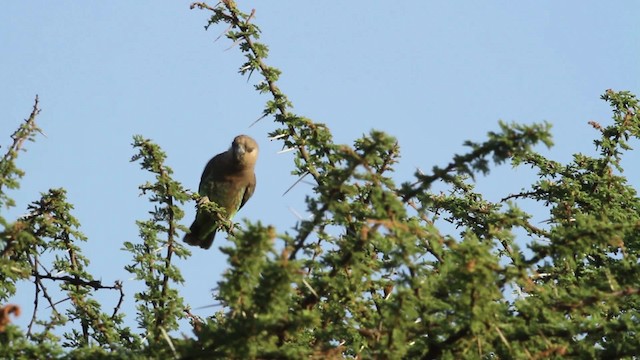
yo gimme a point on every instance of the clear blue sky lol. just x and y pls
(433, 74)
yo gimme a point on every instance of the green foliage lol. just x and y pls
(371, 273)
(13, 236)
(159, 305)
(9, 173)
(375, 278)
(43, 246)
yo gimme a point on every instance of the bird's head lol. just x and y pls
(244, 150)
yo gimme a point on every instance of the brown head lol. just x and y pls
(244, 150)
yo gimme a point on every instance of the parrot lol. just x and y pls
(229, 180)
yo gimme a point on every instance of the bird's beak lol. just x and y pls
(239, 151)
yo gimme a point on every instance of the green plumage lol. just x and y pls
(228, 180)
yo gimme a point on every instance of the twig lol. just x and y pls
(35, 304)
(118, 285)
(23, 133)
(39, 284)
(273, 88)
(519, 195)
(303, 234)
(95, 284)
(316, 252)
(167, 262)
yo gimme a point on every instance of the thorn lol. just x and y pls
(295, 213)
(285, 150)
(258, 119)
(295, 183)
(250, 73)
(310, 288)
(208, 306)
(307, 182)
(56, 303)
(277, 136)
(234, 44)
(223, 33)
(253, 12)
(168, 340)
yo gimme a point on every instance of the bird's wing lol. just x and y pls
(248, 191)
(212, 172)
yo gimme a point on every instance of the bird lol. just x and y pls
(229, 180)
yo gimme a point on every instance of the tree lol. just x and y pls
(370, 274)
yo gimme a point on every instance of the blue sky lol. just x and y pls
(433, 74)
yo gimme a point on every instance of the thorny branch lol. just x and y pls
(95, 284)
(23, 133)
(245, 35)
(39, 286)
(170, 251)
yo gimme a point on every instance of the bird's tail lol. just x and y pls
(196, 239)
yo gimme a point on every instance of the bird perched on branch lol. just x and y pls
(228, 180)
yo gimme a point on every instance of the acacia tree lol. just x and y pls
(370, 274)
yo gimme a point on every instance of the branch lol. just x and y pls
(527, 194)
(279, 98)
(23, 133)
(39, 287)
(167, 260)
(118, 285)
(304, 233)
(95, 284)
